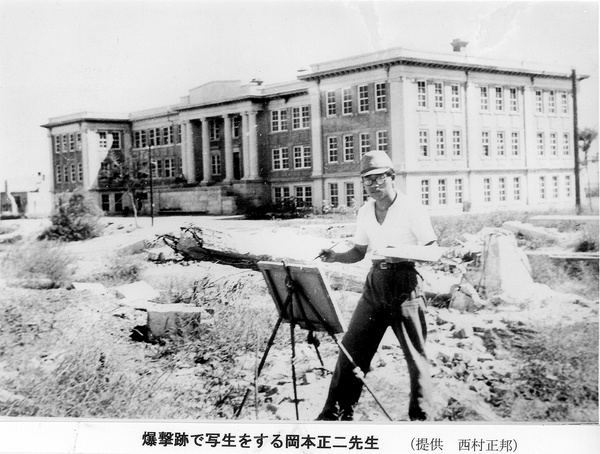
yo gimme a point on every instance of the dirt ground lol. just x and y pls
(467, 355)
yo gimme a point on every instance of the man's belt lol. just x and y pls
(383, 265)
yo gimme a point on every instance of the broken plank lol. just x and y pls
(565, 255)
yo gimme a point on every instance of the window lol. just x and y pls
(346, 101)
(499, 99)
(158, 169)
(458, 190)
(363, 98)
(178, 133)
(118, 202)
(334, 198)
(442, 191)
(440, 143)
(66, 173)
(332, 149)
(302, 157)
(151, 137)
(365, 142)
(103, 142)
(78, 141)
(331, 104)
(169, 169)
(278, 120)
(71, 142)
(295, 117)
(456, 143)
(300, 117)
(305, 117)
(539, 101)
(280, 159)
(516, 188)
(80, 172)
(485, 143)
(216, 164)
(236, 126)
(425, 192)
(105, 202)
(64, 143)
(350, 201)
(382, 141)
(348, 148)
(380, 96)
(567, 186)
(158, 136)
(564, 103)
(214, 130)
(455, 96)
(514, 101)
(58, 174)
(304, 196)
(540, 143)
(551, 102)
(487, 190)
(421, 94)
(57, 144)
(555, 186)
(553, 144)
(515, 143)
(542, 187)
(566, 146)
(167, 136)
(137, 139)
(424, 143)
(485, 98)
(439, 95)
(116, 144)
(500, 144)
(281, 193)
(73, 173)
(502, 189)
(142, 139)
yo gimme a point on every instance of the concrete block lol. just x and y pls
(174, 319)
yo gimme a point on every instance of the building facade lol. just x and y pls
(464, 134)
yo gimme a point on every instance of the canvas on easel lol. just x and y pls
(313, 304)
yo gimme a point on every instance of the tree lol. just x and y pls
(585, 139)
(132, 175)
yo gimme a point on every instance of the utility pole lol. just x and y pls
(151, 170)
(576, 142)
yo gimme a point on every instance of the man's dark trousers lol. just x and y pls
(391, 297)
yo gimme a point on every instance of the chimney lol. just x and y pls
(457, 45)
(257, 82)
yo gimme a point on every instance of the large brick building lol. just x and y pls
(464, 133)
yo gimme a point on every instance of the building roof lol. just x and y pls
(85, 116)
(458, 61)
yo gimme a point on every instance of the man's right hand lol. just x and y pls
(327, 255)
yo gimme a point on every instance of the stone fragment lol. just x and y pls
(137, 291)
(95, 288)
(161, 254)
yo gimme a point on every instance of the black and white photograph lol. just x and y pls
(299, 225)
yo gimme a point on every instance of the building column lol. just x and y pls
(253, 145)
(245, 146)
(398, 102)
(206, 173)
(185, 161)
(316, 144)
(228, 149)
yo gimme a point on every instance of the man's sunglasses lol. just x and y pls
(379, 179)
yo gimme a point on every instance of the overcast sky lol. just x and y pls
(60, 57)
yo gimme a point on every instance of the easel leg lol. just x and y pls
(292, 326)
(261, 364)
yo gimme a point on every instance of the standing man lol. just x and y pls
(392, 295)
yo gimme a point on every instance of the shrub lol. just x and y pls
(44, 259)
(75, 219)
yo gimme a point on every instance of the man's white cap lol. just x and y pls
(375, 162)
